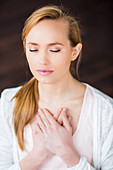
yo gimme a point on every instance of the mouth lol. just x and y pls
(44, 72)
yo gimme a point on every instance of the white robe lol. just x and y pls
(102, 134)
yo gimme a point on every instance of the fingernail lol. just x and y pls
(69, 117)
(64, 109)
(39, 110)
(60, 109)
(37, 116)
(44, 109)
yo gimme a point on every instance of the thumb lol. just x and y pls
(59, 116)
(66, 120)
(69, 118)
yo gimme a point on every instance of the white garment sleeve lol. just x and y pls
(106, 157)
(107, 136)
(6, 138)
(104, 133)
(83, 165)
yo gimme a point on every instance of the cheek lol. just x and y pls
(64, 61)
(31, 62)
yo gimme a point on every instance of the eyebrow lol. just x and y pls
(50, 44)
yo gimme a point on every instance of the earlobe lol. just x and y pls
(76, 51)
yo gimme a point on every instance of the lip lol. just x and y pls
(44, 72)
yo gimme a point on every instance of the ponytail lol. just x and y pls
(25, 108)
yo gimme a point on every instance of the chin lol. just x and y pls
(45, 81)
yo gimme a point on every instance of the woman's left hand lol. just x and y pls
(58, 139)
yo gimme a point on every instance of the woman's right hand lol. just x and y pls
(39, 152)
(39, 148)
(38, 138)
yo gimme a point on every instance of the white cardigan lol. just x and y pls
(102, 133)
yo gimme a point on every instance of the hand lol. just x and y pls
(39, 148)
(57, 138)
(38, 137)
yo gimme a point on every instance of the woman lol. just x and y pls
(54, 121)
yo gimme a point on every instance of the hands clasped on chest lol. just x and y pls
(54, 136)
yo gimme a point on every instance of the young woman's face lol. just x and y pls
(48, 50)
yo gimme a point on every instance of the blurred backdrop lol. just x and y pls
(96, 19)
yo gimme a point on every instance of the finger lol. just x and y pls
(33, 122)
(65, 120)
(40, 124)
(57, 115)
(59, 120)
(33, 128)
(32, 125)
(44, 118)
(50, 118)
(60, 116)
(38, 129)
(70, 118)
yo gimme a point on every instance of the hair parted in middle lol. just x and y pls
(26, 99)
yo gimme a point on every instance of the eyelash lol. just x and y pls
(55, 51)
(33, 50)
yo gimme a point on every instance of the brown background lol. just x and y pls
(96, 18)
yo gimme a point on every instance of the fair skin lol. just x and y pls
(49, 48)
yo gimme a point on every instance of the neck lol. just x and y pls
(58, 91)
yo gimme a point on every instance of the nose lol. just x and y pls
(44, 58)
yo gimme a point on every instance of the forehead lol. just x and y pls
(49, 29)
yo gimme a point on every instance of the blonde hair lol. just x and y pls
(26, 103)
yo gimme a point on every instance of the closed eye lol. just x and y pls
(55, 51)
(33, 50)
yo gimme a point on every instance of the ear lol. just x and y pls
(76, 51)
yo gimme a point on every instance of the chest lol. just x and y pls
(73, 109)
